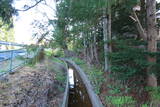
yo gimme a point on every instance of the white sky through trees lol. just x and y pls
(23, 22)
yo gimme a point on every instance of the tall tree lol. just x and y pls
(152, 39)
(6, 10)
(107, 19)
(150, 35)
(105, 38)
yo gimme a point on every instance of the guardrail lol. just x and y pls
(13, 59)
(11, 43)
(4, 55)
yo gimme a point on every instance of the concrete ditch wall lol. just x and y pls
(66, 93)
(92, 95)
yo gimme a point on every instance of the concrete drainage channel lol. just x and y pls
(79, 91)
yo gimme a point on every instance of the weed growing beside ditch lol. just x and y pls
(60, 75)
(113, 94)
(94, 74)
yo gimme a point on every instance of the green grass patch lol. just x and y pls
(1, 71)
(145, 105)
(155, 94)
(58, 52)
(58, 61)
(120, 101)
(48, 52)
(94, 74)
(60, 75)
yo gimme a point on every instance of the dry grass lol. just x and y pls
(31, 87)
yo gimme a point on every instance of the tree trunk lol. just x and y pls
(143, 13)
(152, 47)
(65, 49)
(95, 51)
(151, 79)
(109, 31)
(105, 38)
(88, 57)
(91, 52)
(85, 48)
(109, 26)
(152, 42)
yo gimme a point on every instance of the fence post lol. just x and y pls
(26, 57)
(11, 61)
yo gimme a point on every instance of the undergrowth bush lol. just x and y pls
(120, 101)
(58, 53)
(129, 63)
(48, 52)
(129, 60)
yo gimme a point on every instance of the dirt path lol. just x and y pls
(32, 87)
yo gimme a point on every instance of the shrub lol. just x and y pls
(58, 53)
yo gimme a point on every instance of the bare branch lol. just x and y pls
(139, 26)
(42, 37)
(30, 6)
(133, 18)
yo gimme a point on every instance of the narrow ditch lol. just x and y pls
(78, 96)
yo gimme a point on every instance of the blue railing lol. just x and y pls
(5, 55)
(11, 43)
(12, 59)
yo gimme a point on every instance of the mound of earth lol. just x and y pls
(32, 87)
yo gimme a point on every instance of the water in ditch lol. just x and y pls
(78, 96)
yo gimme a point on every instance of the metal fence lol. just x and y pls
(12, 59)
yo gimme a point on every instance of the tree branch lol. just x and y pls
(139, 26)
(30, 6)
